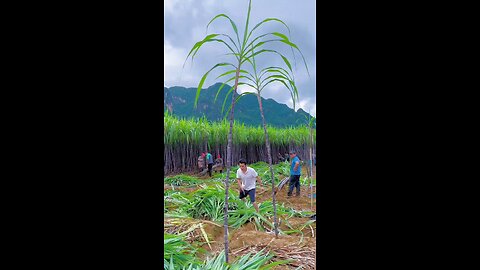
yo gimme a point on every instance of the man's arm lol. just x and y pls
(259, 180)
(297, 163)
(239, 183)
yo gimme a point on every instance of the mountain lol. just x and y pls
(179, 101)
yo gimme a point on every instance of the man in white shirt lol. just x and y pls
(246, 177)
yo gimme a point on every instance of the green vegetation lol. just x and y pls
(246, 262)
(193, 131)
(189, 216)
(241, 53)
(244, 213)
(208, 202)
(258, 261)
(177, 253)
(185, 139)
(184, 142)
(181, 179)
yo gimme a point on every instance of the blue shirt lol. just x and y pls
(297, 172)
(209, 158)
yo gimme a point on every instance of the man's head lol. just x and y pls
(243, 164)
(292, 153)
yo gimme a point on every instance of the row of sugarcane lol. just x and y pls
(185, 139)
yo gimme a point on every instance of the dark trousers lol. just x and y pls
(210, 165)
(294, 182)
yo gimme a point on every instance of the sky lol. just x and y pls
(185, 24)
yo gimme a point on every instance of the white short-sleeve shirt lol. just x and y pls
(248, 178)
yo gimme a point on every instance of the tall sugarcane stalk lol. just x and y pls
(229, 166)
(311, 168)
(279, 75)
(242, 51)
(270, 165)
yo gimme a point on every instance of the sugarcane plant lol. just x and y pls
(242, 51)
(245, 52)
(182, 136)
(177, 253)
(258, 80)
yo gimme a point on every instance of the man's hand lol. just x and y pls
(295, 168)
(239, 185)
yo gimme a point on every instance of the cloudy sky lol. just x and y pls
(185, 23)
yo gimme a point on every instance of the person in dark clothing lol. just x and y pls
(280, 157)
(295, 169)
(210, 163)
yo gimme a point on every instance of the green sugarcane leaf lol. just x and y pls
(226, 44)
(268, 20)
(203, 80)
(221, 86)
(233, 42)
(276, 263)
(199, 44)
(230, 72)
(228, 94)
(303, 58)
(261, 43)
(234, 26)
(246, 24)
(284, 37)
(287, 62)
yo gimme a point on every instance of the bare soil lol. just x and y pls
(300, 247)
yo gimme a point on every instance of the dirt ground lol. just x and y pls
(300, 247)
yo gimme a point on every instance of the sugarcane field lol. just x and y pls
(239, 161)
(194, 201)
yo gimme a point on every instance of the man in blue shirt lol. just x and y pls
(295, 169)
(210, 163)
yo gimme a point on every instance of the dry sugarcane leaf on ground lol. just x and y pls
(300, 256)
(193, 229)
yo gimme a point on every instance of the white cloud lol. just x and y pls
(185, 23)
(173, 62)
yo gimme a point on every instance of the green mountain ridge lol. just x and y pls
(179, 100)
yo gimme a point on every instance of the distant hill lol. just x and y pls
(179, 101)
